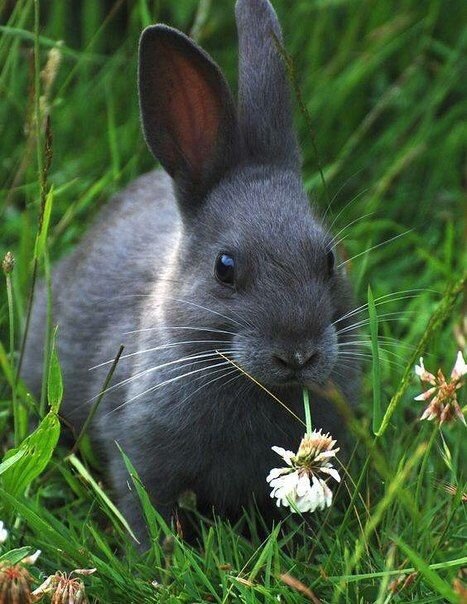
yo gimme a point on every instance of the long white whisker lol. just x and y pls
(390, 316)
(361, 355)
(175, 379)
(334, 241)
(182, 327)
(206, 355)
(190, 364)
(162, 347)
(382, 300)
(347, 205)
(374, 247)
(215, 312)
(243, 320)
(387, 341)
(226, 371)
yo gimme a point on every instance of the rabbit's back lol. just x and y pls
(98, 289)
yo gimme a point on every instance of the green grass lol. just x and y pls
(383, 85)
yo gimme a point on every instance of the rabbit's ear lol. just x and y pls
(187, 110)
(265, 112)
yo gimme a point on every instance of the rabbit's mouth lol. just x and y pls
(291, 362)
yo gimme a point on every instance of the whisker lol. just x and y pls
(175, 379)
(162, 347)
(347, 205)
(369, 358)
(390, 316)
(262, 387)
(219, 377)
(246, 322)
(387, 341)
(206, 355)
(334, 241)
(382, 300)
(190, 364)
(374, 247)
(209, 329)
(215, 312)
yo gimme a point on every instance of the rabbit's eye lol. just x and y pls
(225, 269)
(331, 259)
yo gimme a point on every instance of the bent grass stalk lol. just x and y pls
(262, 387)
(306, 404)
(95, 406)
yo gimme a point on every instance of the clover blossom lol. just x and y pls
(443, 406)
(302, 485)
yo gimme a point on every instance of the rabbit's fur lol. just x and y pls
(144, 277)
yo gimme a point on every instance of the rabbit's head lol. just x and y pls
(254, 265)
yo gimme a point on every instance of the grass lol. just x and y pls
(383, 89)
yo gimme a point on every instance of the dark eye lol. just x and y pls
(330, 259)
(225, 269)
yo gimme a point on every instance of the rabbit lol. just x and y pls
(210, 271)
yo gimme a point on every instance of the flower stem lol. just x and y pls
(421, 473)
(306, 405)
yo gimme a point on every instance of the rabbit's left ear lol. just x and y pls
(265, 111)
(187, 110)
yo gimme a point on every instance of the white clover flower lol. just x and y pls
(443, 407)
(3, 533)
(302, 485)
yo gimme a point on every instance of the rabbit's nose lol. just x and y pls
(296, 359)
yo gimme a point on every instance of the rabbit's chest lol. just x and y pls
(237, 461)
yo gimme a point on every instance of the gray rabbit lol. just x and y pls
(216, 257)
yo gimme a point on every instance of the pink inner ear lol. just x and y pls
(192, 109)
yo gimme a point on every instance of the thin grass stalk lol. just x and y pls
(262, 387)
(95, 406)
(456, 563)
(376, 369)
(421, 473)
(383, 586)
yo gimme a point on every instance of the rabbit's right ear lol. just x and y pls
(265, 109)
(187, 110)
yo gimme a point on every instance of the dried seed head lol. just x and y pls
(63, 588)
(453, 490)
(15, 584)
(443, 406)
(49, 73)
(8, 263)
(460, 588)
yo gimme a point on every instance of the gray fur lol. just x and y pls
(147, 265)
